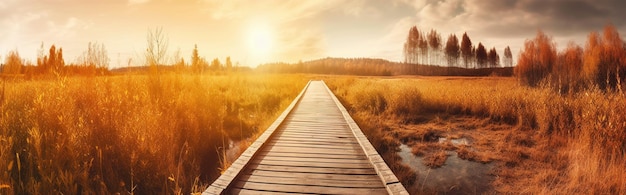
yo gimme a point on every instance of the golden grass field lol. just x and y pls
(167, 134)
(145, 134)
(541, 142)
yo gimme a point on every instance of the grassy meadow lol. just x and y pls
(145, 134)
(168, 134)
(541, 141)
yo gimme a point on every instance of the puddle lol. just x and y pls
(456, 142)
(456, 176)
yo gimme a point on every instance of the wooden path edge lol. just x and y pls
(226, 179)
(391, 182)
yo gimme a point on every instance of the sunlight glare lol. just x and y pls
(260, 40)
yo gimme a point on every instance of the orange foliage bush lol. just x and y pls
(605, 58)
(601, 63)
(536, 59)
(568, 68)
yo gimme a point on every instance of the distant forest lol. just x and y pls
(378, 67)
(424, 53)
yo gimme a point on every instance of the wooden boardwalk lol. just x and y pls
(314, 147)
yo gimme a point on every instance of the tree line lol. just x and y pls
(426, 47)
(601, 63)
(95, 60)
(376, 67)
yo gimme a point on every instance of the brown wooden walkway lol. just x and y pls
(314, 147)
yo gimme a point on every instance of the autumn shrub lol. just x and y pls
(601, 63)
(130, 133)
(567, 72)
(605, 58)
(13, 63)
(536, 59)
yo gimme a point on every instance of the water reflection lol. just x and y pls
(457, 176)
(456, 142)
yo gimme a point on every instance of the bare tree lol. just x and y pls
(452, 50)
(481, 56)
(508, 57)
(54, 61)
(423, 48)
(493, 58)
(96, 56)
(216, 65)
(229, 64)
(434, 40)
(466, 50)
(156, 51)
(198, 65)
(411, 46)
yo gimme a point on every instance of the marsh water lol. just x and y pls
(456, 176)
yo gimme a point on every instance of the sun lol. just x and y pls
(260, 40)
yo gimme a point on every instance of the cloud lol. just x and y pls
(516, 17)
(277, 10)
(300, 44)
(67, 28)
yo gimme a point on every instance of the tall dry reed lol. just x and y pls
(141, 134)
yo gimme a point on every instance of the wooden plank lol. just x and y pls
(330, 129)
(361, 165)
(342, 131)
(317, 136)
(313, 155)
(312, 150)
(318, 129)
(318, 132)
(314, 176)
(305, 169)
(307, 189)
(310, 146)
(328, 160)
(312, 182)
(321, 126)
(315, 142)
(258, 192)
(342, 151)
(301, 145)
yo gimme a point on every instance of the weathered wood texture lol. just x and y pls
(314, 147)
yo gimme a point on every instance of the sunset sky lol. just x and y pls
(254, 32)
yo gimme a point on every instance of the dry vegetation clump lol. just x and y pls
(130, 134)
(436, 159)
(467, 153)
(542, 140)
